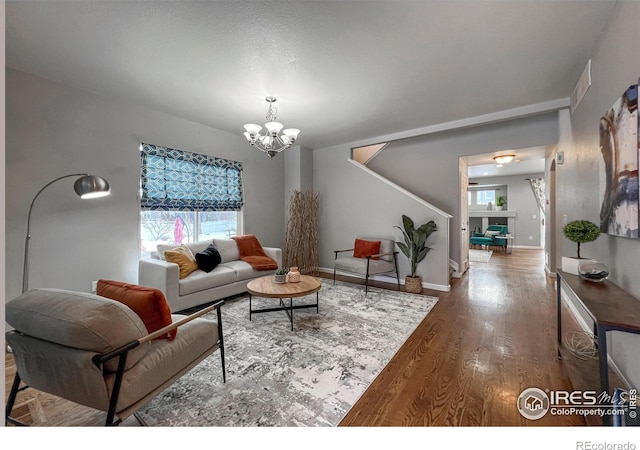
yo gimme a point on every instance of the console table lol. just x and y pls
(611, 309)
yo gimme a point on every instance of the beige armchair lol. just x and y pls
(369, 256)
(97, 352)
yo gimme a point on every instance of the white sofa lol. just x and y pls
(199, 287)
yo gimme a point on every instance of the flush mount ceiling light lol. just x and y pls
(272, 142)
(503, 159)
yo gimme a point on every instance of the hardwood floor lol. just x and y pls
(488, 339)
(485, 341)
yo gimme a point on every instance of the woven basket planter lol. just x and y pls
(413, 284)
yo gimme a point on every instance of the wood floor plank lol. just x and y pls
(489, 338)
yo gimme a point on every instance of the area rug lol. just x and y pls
(480, 255)
(307, 377)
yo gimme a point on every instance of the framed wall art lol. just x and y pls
(620, 151)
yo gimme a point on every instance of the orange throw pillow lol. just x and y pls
(184, 258)
(148, 303)
(363, 248)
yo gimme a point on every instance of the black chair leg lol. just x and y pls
(112, 420)
(12, 398)
(366, 277)
(334, 275)
(221, 345)
(395, 263)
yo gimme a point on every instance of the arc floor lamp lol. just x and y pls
(86, 186)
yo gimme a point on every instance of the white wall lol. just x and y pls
(298, 171)
(614, 68)
(54, 130)
(428, 165)
(355, 203)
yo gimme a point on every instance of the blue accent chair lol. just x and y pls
(488, 237)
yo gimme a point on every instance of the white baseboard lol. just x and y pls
(549, 272)
(392, 280)
(456, 269)
(534, 247)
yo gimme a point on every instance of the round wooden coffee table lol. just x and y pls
(268, 288)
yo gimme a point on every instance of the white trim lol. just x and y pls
(485, 119)
(456, 269)
(528, 246)
(492, 213)
(435, 287)
(371, 157)
(581, 87)
(549, 272)
(388, 279)
(401, 189)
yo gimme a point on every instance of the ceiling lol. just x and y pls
(526, 161)
(341, 71)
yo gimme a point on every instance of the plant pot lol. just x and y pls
(498, 208)
(413, 284)
(570, 264)
(280, 278)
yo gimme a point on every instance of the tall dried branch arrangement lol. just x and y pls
(301, 242)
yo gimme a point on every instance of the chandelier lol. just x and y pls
(272, 142)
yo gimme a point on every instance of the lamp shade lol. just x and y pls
(504, 159)
(91, 186)
(291, 133)
(252, 129)
(273, 127)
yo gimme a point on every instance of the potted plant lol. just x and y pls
(500, 203)
(580, 232)
(281, 275)
(415, 249)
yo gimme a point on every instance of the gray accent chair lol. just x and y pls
(97, 352)
(386, 262)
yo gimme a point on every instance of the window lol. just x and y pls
(484, 197)
(187, 197)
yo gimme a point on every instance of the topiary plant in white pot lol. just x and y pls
(580, 232)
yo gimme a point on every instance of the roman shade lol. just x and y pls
(175, 180)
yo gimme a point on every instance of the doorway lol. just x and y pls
(514, 203)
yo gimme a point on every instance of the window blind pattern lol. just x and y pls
(175, 180)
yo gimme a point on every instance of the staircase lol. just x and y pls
(437, 269)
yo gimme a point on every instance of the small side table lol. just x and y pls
(508, 249)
